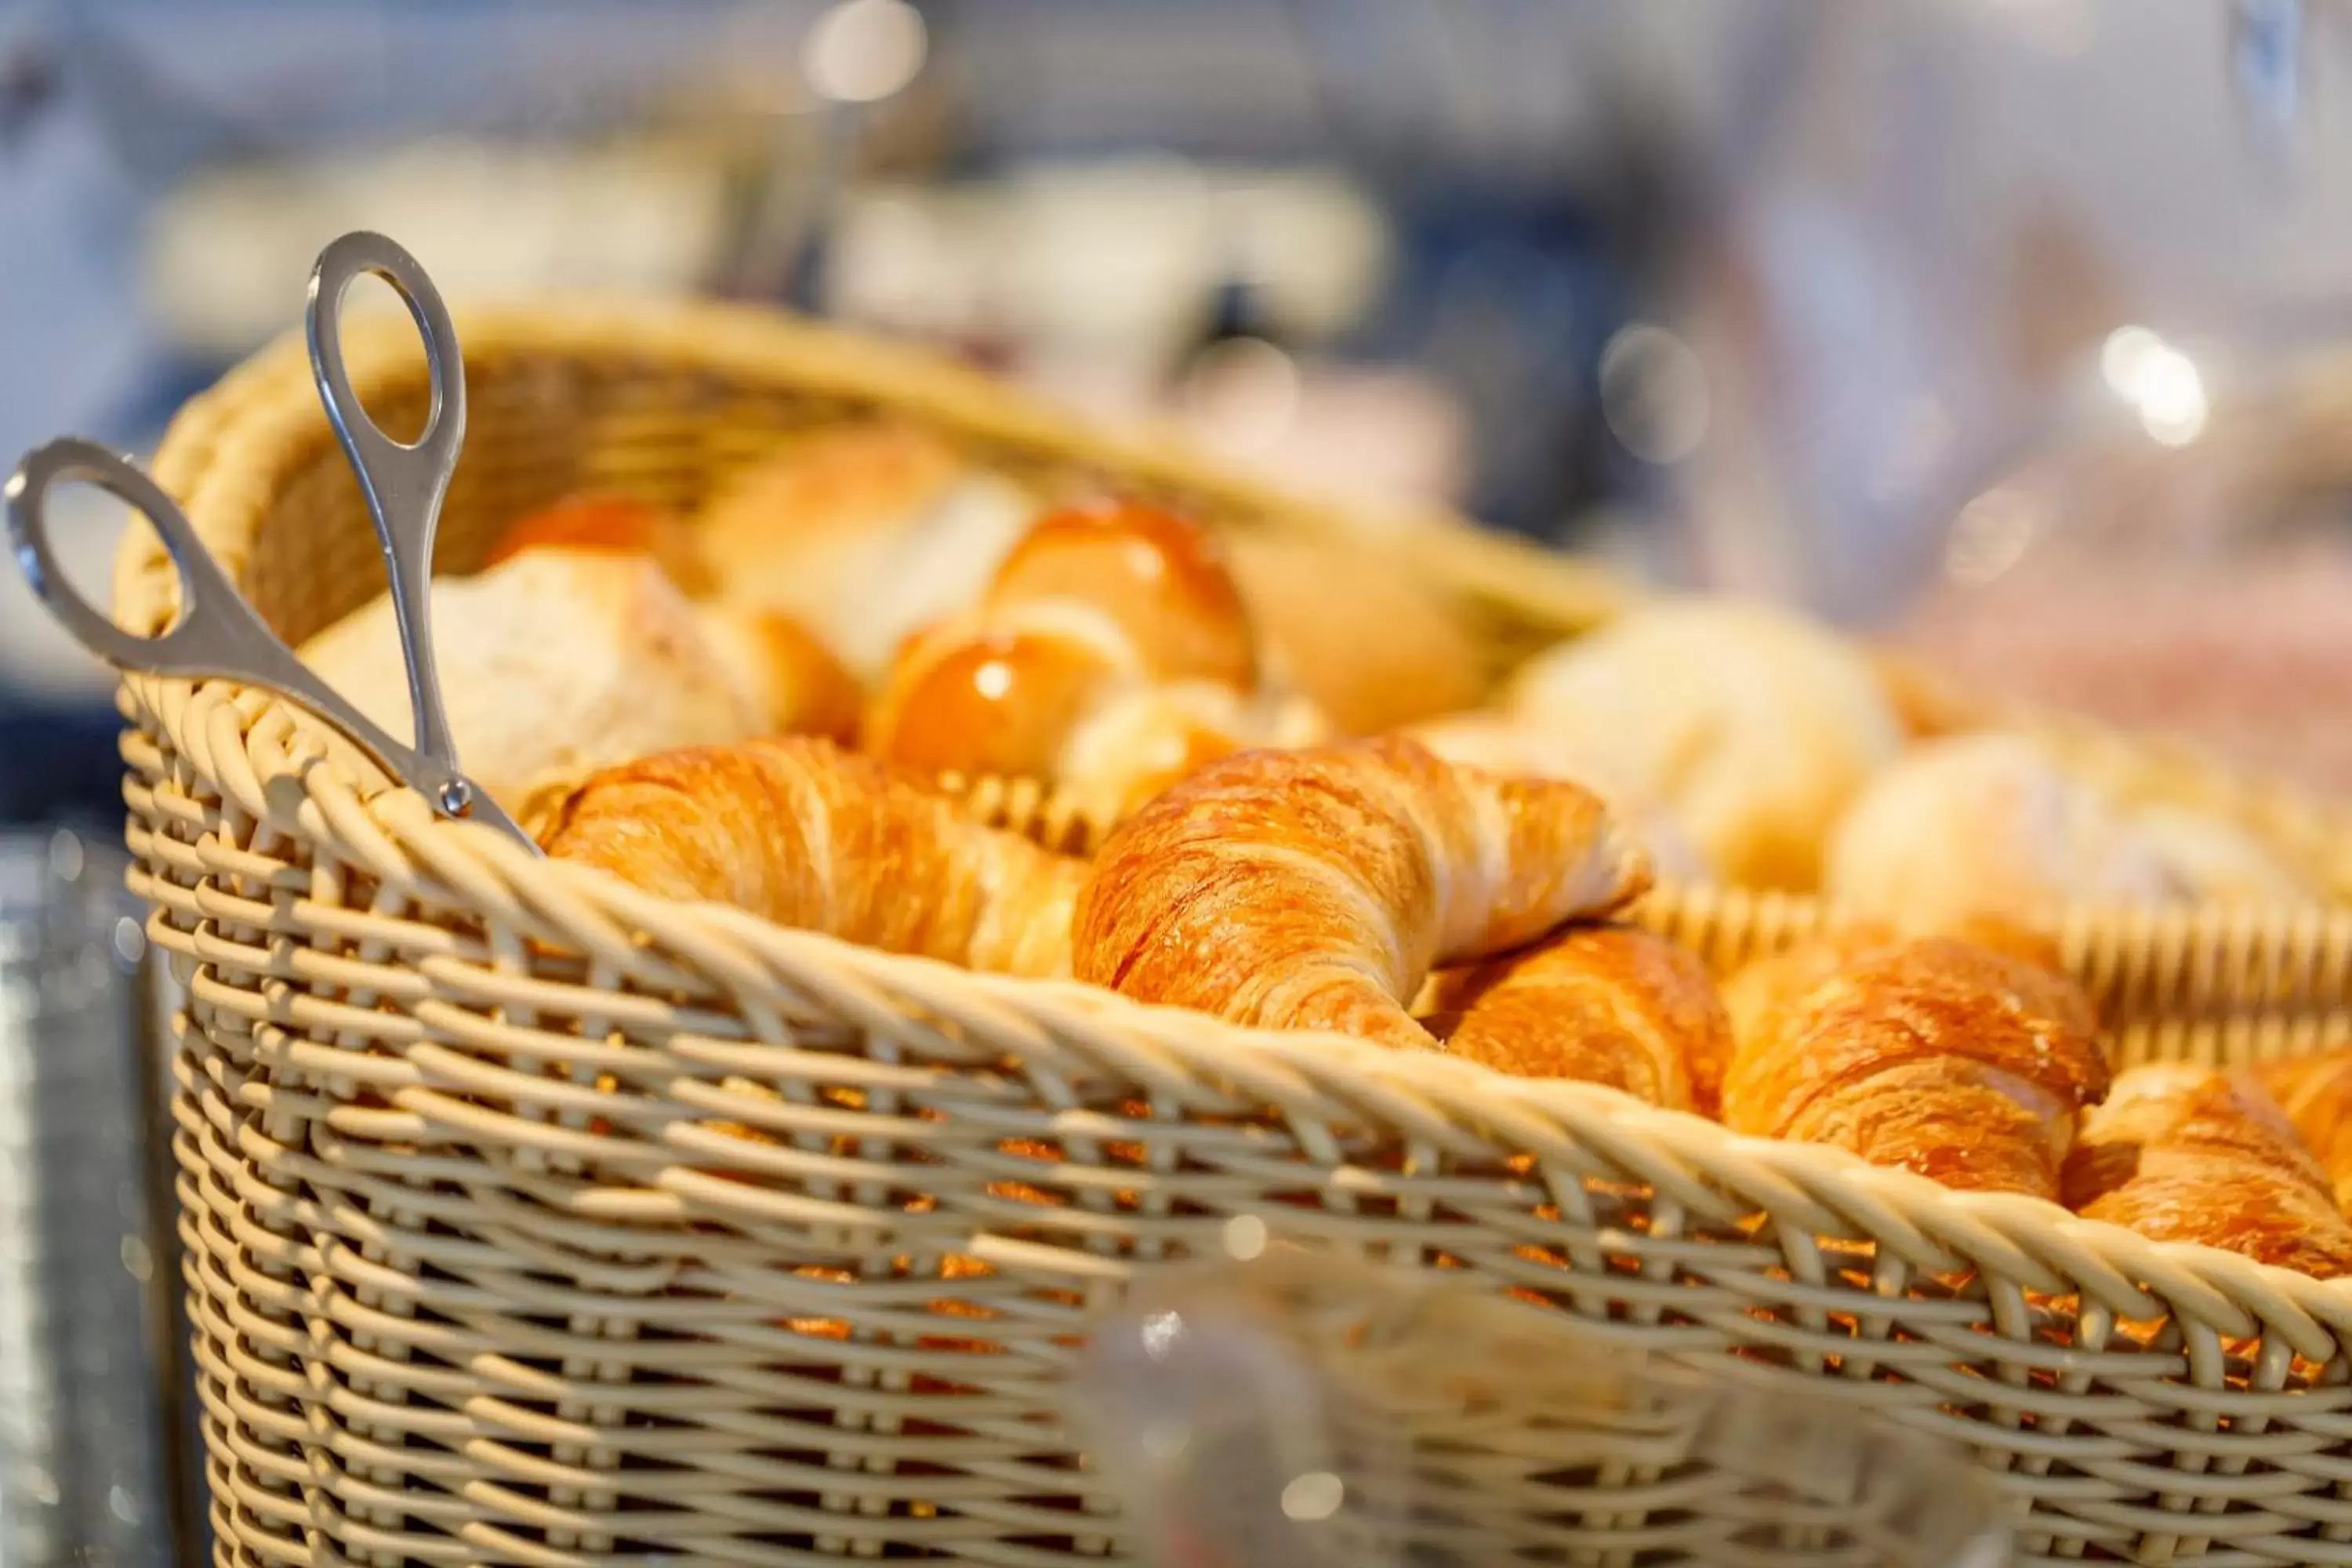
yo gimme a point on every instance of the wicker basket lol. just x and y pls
(533, 1220)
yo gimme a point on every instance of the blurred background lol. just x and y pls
(2017, 331)
(1992, 324)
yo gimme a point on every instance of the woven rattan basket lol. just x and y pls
(533, 1220)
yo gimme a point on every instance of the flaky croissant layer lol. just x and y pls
(1316, 888)
(1955, 1060)
(805, 834)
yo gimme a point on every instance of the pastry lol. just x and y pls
(1986, 823)
(552, 664)
(1941, 1055)
(2316, 1092)
(1351, 630)
(1109, 653)
(1606, 1005)
(2185, 1154)
(1316, 889)
(862, 533)
(799, 832)
(1751, 727)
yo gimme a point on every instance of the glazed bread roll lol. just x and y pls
(1315, 601)
(1109, 653)
(1938, 1055)
(2316, 1093)
(1500, 744)
(2185, 1154)
(1752, 727)
(862, 533)
(552, 664)
(1985, 824)
(802, 833)
(1606, 1005)
(1316, 889)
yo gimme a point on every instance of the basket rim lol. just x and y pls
(277, 765)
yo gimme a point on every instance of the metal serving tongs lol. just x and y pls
(217, 633)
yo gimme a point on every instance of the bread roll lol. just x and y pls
(1934, 1054)
(2185, 1154)
(552, 664)
(1752, 727)
(1108, 654)
(1985, 824)
(1353, 631)
(862, 533)
(1316, 889)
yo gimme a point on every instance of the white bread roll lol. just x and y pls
(1986, 824)
(552, 664)
(1751, 727)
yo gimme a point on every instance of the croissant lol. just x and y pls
(1316, 888)
(2316, 1092)
(800, 832)
(1607, 1004)
(1946, 1056)
(2185, 1154)
(1095, 608)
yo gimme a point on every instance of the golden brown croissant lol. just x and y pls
(1092, 612)
(800, 832)
(2185, 1154)
(1606, 1005)
(1946, 1056)
(2316, 1092)
(1315, 889)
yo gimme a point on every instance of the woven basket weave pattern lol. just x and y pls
(532, 1220)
